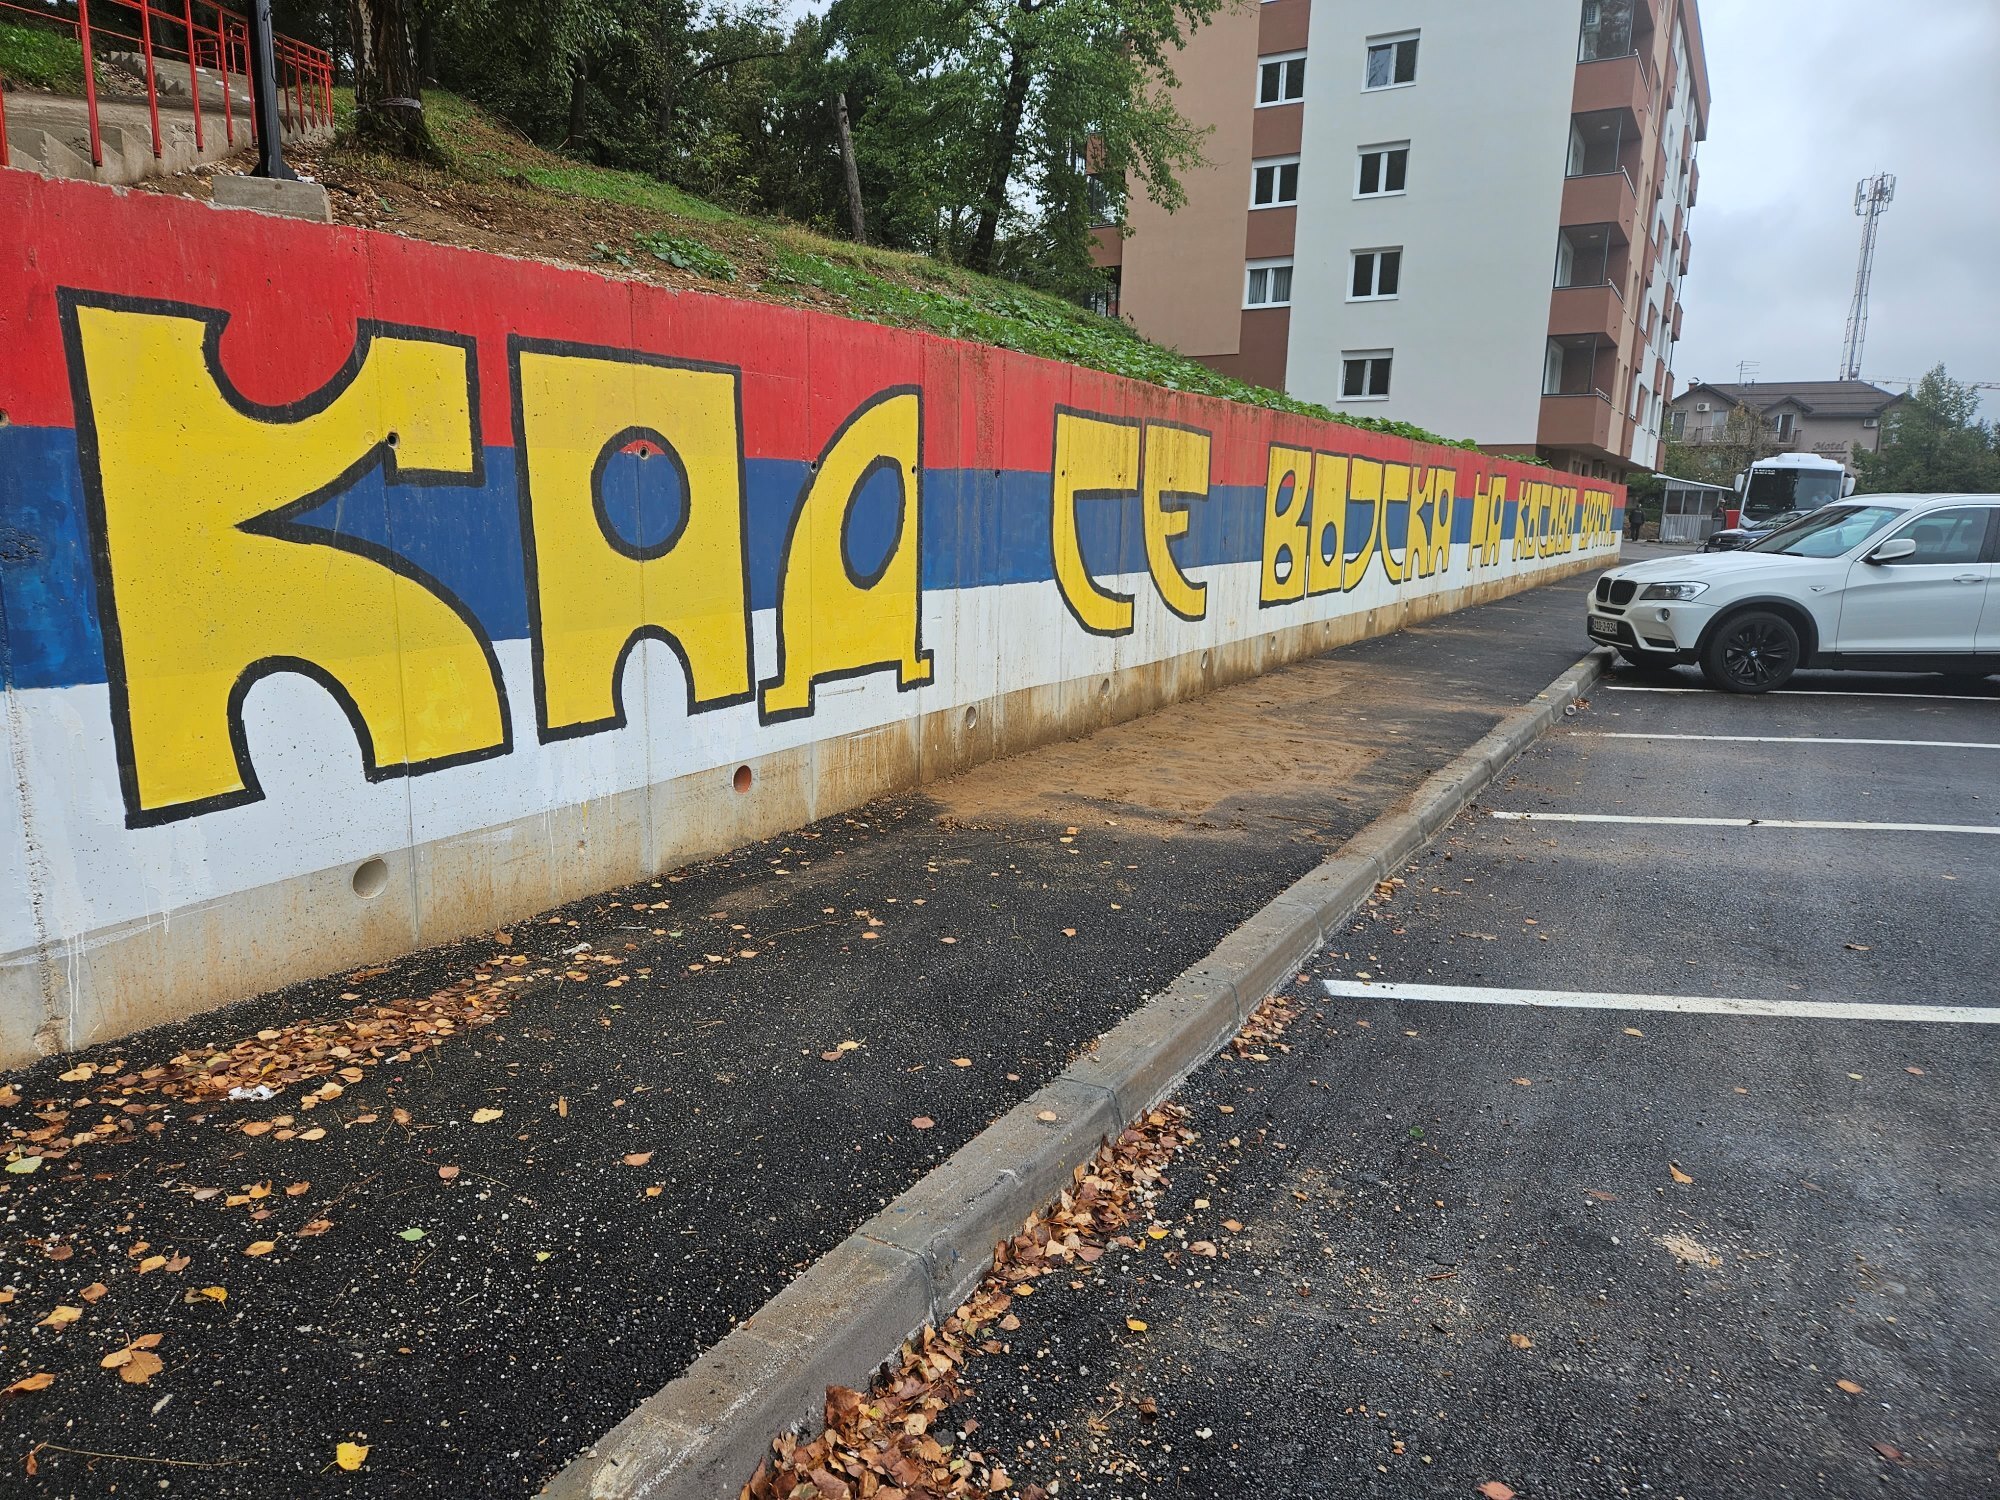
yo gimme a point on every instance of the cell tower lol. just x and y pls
(1871, 196)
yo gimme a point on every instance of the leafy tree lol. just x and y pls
(982, 120)
(1934, 442)
(1717, 459)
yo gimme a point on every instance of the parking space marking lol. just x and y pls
(1807, 823)
(1620, 687)
(1704, 1005)
(1784, 739)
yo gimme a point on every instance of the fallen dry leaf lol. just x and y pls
(10, 1096)
(1888, 1450)
(1525, 1082)
(1858, 948)
(297, 1189)
(638, 1158)
(1234, 1226)
(208, 1294)
(260, 1247)
(37, 1382)
(81, 1073)
(923, 1122)
(1137, 1325)
(60, 1317)
(1914, 1072)
(961, 1062)
(1493, 1489)
(92, 1292)
(1047, 1116)
(1520, 1341)
(1633, 1031)
(1225, 1109)
(447, 1173)
(1849, 1386)
(1679, 1175)
(316, 1227)
(351, 1456)
(486, 1116)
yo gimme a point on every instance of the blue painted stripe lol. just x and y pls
(979, 528)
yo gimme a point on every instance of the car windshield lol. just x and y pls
(1780, 492)
(1829, 532)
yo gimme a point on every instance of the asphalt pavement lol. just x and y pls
(1635, 1157)
(476, 1258)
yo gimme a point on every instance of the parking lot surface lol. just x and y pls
(1635, 1157)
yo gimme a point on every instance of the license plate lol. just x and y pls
(1605, 630)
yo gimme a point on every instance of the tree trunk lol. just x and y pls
(855, 215)
(995, 198)
(427, 71)
(578, 78)
(388, 99)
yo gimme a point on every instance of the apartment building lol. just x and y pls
(1832, 418)
(1470, 217)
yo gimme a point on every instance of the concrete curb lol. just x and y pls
(703, 1434)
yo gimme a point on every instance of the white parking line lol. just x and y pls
(1705, 1005)
(1619, 687)
(1812, 823)
(1783, 739)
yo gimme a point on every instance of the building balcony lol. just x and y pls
(1694, 178)
(1277, 129)
(1607, 198)
(1675, 332)
(1587, 309)
(1273, 233)
(1614, 83)
(1577, 422)
(1687, 250)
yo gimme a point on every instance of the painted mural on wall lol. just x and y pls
(316, 542)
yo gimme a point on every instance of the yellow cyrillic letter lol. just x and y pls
(1287, 499)
(832, 620)
(211, 584)
(1096, 458)
(1324, 555)
(1175, 468)
(593, 592)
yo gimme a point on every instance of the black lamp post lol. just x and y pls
(264, 84)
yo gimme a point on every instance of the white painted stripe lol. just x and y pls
(1813, 823)
(1704, 1005)
(1619, 687)
(1784, 739)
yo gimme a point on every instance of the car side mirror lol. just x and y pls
(1893, 550)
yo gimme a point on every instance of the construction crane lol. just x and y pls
(1872, 195)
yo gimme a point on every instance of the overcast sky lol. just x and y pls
(1808, 97)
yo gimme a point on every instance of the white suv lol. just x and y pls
(1896, 583)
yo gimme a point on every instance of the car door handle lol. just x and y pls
(1969, 578)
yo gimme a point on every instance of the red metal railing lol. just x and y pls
(200, 33)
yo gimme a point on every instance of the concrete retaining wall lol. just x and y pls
(357, 594)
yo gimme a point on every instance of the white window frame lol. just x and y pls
(1275, 163)
(1349, 356)
(1389, 39)
(1375, 276)
(1785, 425)
(1278, 58)
(1382, 148)
(1284, 262)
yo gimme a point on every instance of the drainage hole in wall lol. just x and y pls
(1104, 688)
(394, 439)
(1204, 661)
(371, 878)
(741, 781)
(972, 718)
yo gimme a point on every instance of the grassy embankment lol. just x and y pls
(494, 189)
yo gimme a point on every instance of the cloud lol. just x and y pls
(1808, 97)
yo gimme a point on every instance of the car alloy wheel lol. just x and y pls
(1753, 654)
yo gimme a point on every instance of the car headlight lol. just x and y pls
(1672, 590)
